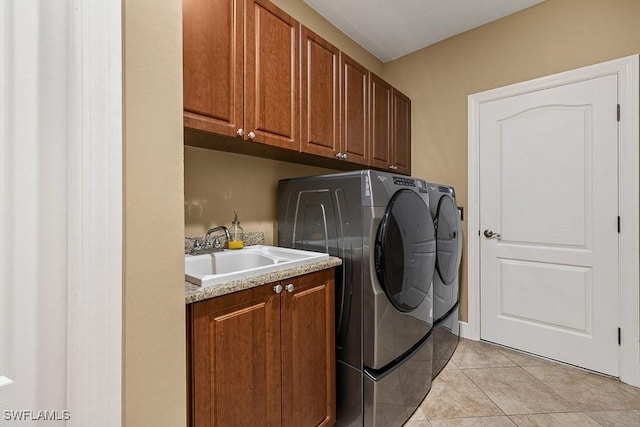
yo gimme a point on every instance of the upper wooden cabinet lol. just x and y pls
(380, 122)
(334, 102)
(256, 100)
(271, 76)
(390, 127)
(401, 136)
(355, 111)
(213, 52)
(253, 72)
(320, 105)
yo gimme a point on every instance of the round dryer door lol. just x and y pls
(448, 235)
(405, 250)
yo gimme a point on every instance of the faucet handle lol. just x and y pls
(217, 244)
(197, 246)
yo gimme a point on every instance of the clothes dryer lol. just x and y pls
(446, 218)
(379, 224)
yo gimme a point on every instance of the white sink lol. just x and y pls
(216, 267)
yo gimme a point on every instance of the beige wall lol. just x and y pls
(154, 383)
(554, 36)
(217, 183)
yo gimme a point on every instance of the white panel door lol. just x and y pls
(549, 190)
(33, 212)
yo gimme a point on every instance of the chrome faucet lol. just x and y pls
(216, 245)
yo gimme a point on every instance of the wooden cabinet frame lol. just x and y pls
(256, 100)
(261, 357)
(354, 100)
(320, 95)
(401, 136)
(254, 73)
(271, 100)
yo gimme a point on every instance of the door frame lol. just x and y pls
(95, 214)
(92, 33)
(627, 70)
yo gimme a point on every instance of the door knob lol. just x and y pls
(240, 133)
(491, 235)
(290, 287)
(251, 136)
(277, 289)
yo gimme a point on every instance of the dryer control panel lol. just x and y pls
(401, 180)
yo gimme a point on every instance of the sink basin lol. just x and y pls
(212, 268)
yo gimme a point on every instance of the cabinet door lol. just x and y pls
(355, 109)
(401, 132)
(380, 96)
(308, 351)
(213, 49)
(271, 76)
(235, 366)
(320, 105)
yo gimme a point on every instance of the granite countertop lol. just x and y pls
(194, 293)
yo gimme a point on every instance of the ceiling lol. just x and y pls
(390, 29)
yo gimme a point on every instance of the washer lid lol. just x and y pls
(405, 250)
(448, 235)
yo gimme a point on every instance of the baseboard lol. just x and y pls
(465, 331)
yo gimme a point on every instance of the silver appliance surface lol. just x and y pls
(446, 218)
(380, 225)
(445, 340)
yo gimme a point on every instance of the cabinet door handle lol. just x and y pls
(290, 287)
(344, 156)
(240, 133)
(339, 155)
(251, 136)
(277, 289)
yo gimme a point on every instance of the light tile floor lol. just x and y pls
(487, 385)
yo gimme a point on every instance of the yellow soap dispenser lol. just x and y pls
(237, 234)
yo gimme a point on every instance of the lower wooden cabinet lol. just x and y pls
(264, 356)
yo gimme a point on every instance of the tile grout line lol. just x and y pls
(553, 413)
(524, 366)
(591, 418)
(567, 398)
(576, 409)
(483, 392)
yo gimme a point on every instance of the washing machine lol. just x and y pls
(447, 222)
(380, 225)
